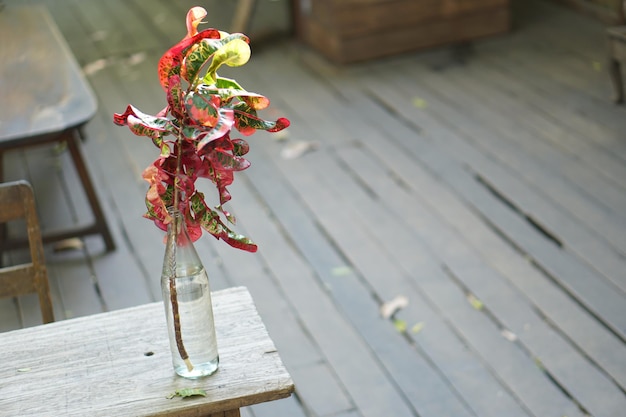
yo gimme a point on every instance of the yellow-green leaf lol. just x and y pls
(417, 327)
(234, 54)
(400, 325)
(420, 103)
(475, 302)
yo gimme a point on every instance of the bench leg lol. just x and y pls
(616, 77)
(72, 140)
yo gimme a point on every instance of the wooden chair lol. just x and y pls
(17, 201)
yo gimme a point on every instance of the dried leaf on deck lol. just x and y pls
(475, 302)
(389, 308)
(508, 335)
(341, 271)
(95, 66)
(296, 149)
(72, 243)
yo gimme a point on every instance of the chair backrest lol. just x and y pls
(17, 201)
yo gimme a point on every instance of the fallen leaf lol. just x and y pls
(508, 335)
(187, 392)
(389, 308)
(475, 302)
(136, 59)
(72, 243)
(417, 327)
(95, 66)
(296, 149)
(420, 103)
(400, 325)
(341, 271)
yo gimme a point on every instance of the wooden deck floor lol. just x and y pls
(485, 185)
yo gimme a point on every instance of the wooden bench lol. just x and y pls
(44, 100)
(119, 364)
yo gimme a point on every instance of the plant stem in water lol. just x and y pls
(173, 294)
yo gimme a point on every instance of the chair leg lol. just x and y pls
(616, 77)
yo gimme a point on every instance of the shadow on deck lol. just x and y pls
(488, 189)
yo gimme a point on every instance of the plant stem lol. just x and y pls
(179, 338)
(172, 279)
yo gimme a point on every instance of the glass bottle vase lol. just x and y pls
(188, 307)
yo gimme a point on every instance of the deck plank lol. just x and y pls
(558, 263)
(321, 260)
(566, 315)
(432, 178)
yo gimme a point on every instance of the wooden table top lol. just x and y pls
(42, 89)
(119, 364)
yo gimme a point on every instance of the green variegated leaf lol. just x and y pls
(247, 122)
(224, 125)
(234, 54)
(240, 241)
(231, 219)
(225, 161)
(196, 58)
(240, 147)
(252, 100)
(203, 107)
(150, 126)
(165, 150)
(174, 96)
(233, 50)
(223, 82)
(143, 124)
(193, 133)
(255, 101)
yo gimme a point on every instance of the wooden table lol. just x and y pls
(119, 364)
(44, 99)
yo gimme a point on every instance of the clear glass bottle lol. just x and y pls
(188, 307)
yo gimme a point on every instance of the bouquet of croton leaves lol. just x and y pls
(194, 132)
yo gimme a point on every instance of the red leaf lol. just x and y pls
(222, 160)
(170, 62)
